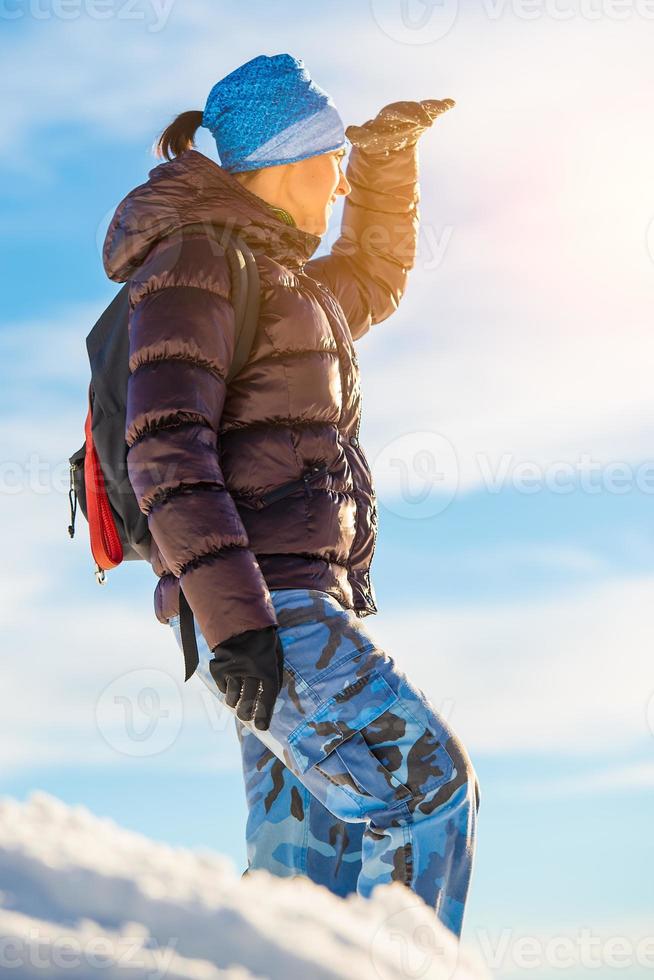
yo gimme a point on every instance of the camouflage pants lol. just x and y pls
(358, 781)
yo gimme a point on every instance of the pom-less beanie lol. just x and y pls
(269, 112)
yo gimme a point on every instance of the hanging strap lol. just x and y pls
(189, 640)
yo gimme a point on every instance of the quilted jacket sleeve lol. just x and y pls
(182, 338)
(368, 264)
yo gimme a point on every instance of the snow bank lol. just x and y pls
(81, 896)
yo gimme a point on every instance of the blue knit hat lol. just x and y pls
(269, 112)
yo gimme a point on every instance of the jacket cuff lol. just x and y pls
(228, 595)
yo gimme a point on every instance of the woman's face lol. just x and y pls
(306, 189)
(310, 188)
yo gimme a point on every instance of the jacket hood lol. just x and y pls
(188, 189)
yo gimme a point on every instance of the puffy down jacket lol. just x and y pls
(263, 484)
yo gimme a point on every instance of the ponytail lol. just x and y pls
(179, 136)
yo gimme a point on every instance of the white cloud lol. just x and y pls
(42, 352)
(75, 885)
(638, 775)
(556, 558)
(569, 675)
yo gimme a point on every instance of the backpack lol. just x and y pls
(99, 480)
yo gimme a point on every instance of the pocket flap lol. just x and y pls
(338, 718)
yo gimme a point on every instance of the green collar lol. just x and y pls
(283, 215)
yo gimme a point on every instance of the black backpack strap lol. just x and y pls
(187, 632)
(246, 290)
(245, 287)
(245, 300)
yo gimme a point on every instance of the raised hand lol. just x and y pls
(397, 126)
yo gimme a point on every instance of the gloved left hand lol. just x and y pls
(397, 126)
(249, 670)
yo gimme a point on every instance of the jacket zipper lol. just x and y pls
(373, 510)
(314, 473)
(373, 496)
(355, 359)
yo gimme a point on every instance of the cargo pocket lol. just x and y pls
(416, 750)
(339, 718)
(331, 745)
(369, 744)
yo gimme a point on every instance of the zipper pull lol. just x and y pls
(313, 474)
(307, 486)
(72, 500)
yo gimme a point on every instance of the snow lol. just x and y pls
(82, 896)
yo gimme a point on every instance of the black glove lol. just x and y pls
(397, 125)
(249, 670)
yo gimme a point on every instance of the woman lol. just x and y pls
(351, 776)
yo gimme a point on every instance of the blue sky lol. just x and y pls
(515, 580)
